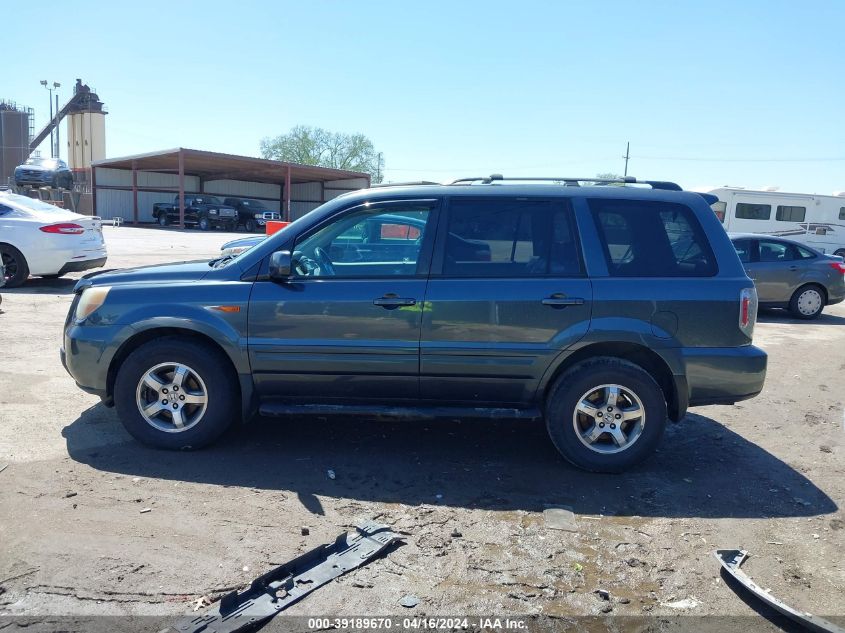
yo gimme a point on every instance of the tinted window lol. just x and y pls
(743, 249)
(745, 211)
(790, 214)
(510, 238)
(354, 246)
(776, 252)
(842, 213)
(4, 209)
(652, 239)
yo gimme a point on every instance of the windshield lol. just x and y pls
(30, 204)
(253, 204)
(207, 200)
(42, 162)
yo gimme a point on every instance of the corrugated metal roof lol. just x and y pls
(217, 166)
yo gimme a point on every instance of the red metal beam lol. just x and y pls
(134, 192)
(181, 188)
(287, 194)
(93, 191)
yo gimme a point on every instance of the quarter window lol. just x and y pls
(790, 214)
(746, 211)
(652, 239)
(4, 209)
(842, 213)
(510, 238)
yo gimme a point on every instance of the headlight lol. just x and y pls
(213, 211)
(92, 298)
(259, 216)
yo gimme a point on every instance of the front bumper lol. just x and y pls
(724, 375)
(86, 354)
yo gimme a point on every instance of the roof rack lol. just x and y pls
(403, 184)
(570, 181)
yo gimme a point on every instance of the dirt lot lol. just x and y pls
(765, 475)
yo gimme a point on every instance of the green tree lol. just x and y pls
(315, 146)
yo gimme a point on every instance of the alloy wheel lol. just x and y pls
(609, 418)
(171, 397)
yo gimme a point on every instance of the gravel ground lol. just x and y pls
(765, 475)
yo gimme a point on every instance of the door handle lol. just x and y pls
(559, 300)
(793, 268)
(390, 301)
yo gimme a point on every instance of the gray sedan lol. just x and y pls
(791, 275)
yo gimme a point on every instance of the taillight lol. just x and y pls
(66, 228)
(747, 310)
(838, 266)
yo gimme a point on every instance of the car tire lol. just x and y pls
(807, 302)
(249, 226)
(17, 270)
(162, 219)
(204, 224)
(208, 380)
(576, 433)
(840, 252)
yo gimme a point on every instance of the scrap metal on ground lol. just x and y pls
(281, 587)
(732, 559)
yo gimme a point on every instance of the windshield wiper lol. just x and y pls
(220, 260)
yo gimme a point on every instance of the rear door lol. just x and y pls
(507, 293)
(776, 271)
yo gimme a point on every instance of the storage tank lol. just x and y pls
(86, 128)
(15, 133)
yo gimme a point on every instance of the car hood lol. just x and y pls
(34, 168)
(161, 274)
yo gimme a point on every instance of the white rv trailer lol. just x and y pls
(818, 221)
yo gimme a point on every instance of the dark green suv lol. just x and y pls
(607, 310)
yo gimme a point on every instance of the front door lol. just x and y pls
(346, 326)
(507, 293)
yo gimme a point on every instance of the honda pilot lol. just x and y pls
(606, 310)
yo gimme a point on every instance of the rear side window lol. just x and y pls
(743, 249)
(790, 214)
(4, 210)
(502, 237)
(746, 211)
(842, 213)
(652, 239)
(803, 253)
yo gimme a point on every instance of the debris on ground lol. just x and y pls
(561, 518)
(409, 601)
(304, 531)
(3, 467)
(281, 587)
(686, 603)
(732, 559)
(604, 594)
(145, 510)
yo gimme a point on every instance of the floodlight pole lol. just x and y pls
(627, 156)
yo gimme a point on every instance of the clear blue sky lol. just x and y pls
(708, 93)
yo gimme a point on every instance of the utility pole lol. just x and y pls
(627, 156)
(58, 127)
(54, 141)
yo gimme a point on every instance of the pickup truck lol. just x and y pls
(204, 211)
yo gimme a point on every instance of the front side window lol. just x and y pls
(790, 214)
(776, 252)
(510, 237)
(355, 244)
(644, 238)
(746, 211)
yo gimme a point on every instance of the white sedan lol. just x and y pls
(44, 240)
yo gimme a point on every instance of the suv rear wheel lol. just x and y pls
(606, 414)
(175, 394)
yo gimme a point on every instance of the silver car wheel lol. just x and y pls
(609, 419)
(809, 302)
(171, 397)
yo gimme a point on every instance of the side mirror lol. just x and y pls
(280, 263)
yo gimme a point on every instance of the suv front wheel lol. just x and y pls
(606, 414)
(175, 394)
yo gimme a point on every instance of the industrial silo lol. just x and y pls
(15, 133)
(86, 129)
